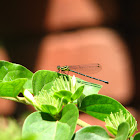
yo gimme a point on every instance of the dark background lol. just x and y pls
(21, 30)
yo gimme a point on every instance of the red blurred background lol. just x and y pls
(43, 34)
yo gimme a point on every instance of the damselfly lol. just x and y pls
(88, 68)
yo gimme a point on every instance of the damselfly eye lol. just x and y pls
(58, 67)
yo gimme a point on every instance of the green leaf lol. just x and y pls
(47, 87)
(10, 71)
(43, 126)
(41, 78)
(66, 95)
(79, 100)
(91, 133)
(49, 109)
(11, 88)
(123, 131)
(112, 130)
(78, 93)
(70, 115)
(137, 136)
(8, 127)
(100, 106)
(90, 88)
(31, 137)
(131, 138)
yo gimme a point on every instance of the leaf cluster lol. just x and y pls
(58, 99)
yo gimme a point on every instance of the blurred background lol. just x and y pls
(46, 33)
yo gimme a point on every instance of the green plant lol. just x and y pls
(8, 127)
(58, 98)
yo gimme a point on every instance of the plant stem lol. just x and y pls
(23, 100)
(17, 99)
(10, 98)
(82, 123)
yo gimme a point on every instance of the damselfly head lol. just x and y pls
(58, 67)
